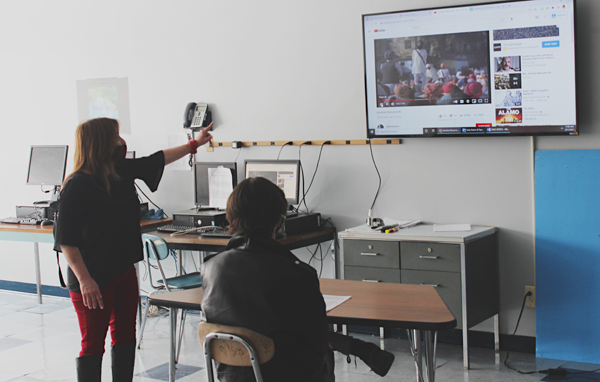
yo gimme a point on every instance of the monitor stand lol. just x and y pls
(205, 208)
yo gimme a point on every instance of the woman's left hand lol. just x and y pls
(205, 136)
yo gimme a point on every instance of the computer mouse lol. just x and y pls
(47, 222)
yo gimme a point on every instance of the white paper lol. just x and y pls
(451, 227)
(220, 185)
(334, 301)
(176, 140)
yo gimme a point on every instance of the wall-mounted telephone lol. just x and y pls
(196, 116)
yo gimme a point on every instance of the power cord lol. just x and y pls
(314, 173)
(238, 155)
(378, 175)
(282, 146)
(150, 200)
(550, 371)
(302, 173)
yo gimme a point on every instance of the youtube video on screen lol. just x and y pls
(445, 69)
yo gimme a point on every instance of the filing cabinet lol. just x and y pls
(463, 267)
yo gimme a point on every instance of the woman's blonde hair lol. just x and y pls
(94, 147)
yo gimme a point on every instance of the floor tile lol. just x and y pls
(40, 343)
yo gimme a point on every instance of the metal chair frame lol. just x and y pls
(152, 252)
(229, 337)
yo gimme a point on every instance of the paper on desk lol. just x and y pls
(334, 301)
(451, 227)
(220, 185)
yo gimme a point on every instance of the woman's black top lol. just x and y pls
(105, 227)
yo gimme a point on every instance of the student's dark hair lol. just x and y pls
(255, 207)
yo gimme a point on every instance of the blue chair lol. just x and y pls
(156, 250)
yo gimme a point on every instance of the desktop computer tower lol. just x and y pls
(202, 218)
(301, 223)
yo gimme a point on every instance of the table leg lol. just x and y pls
(497, 338)
(430, 356)
(38, 278)
(419, 350)
(173, 339)
(465, 334)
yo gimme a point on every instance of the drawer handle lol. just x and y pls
(371, 281)
(368, 254)
(429, 257)
(431, 285)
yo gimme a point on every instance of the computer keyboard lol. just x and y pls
(11, 220)
(175, 228)
(204, 231)
(30, 221)
(215, 232)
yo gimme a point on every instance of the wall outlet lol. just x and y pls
(530, 301)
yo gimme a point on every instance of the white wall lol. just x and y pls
(271, 70)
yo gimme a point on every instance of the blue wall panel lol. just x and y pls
(567, 219)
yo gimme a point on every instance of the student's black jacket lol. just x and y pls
(258, 284)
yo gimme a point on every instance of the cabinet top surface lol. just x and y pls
(422, 232)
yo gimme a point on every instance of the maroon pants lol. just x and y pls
(120, 309)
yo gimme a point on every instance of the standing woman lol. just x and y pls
(98, 231)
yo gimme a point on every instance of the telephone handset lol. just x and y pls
(196, 116)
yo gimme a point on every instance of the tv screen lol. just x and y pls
(492, 69)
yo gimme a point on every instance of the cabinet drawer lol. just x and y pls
(447, 285)
(431, 256)
(384, 275)
(372, 253)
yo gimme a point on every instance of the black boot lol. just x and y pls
(123, 360)
(89, 368)
(378, 360)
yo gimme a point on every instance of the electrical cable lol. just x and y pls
(550, 371)
(314, 173)
(302, 173)
(150, 200)
(190, 136)
(510, 340)
(282, 146)
(238, 155)
(378, 174)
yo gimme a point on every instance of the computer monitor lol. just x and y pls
(47, 165)
(283, 173)
(472, 70)
(201, 180)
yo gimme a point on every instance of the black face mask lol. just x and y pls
(119, 154)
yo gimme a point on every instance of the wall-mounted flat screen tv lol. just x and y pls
(494, 69)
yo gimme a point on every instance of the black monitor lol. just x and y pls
(283, 173)
(201, 180)
(47, 165)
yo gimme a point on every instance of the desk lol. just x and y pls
(37, 234)
(193, 242)
(415, 307)
(463, 266)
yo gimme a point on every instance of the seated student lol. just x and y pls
(258, 284)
